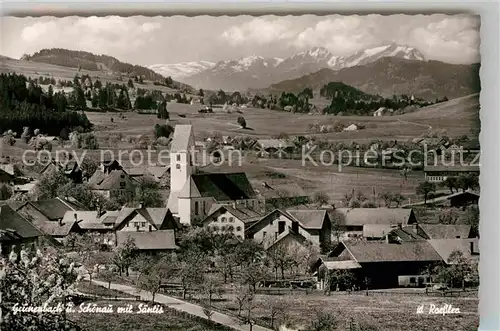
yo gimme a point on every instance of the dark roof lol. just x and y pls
(362, 216)
(363, 251)
(109, 181)
(224, 186)
(461, 168)
(154, 240)
(13, 222)
(407, 233)
(55, 209)
(159, 217)
(446, 231)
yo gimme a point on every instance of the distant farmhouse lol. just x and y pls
(439, 173)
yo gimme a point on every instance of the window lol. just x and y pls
(295, 227)
(216, 228)
(264, 234)
(412, 280)
(178, 157)
(231, 219)
(196, 207)
(230, 228)
(136, 224)
(122, 176)
(281, 226)
(238, 228)
(223, 220)
(177, 166)
(150, 228)
(223, 228)
(143, 224)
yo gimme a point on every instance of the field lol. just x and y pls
(394, 312)
(170, 319)
(452, 118)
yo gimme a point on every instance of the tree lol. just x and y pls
(247, 311)
(451, 183)
(320, 198)
(191, 266)
(242, 122)
(49, 184)
(148, 193)
(467, 181)
(254, 273)
(425, 189)
(130, 83)
(163, 130)
(88, 166)
(162, 111)
(387, 197)
(36, 278)
(398, 199)
(5, 192)
(457, 272)
(274, 308)
(124, 255)
(323, 321)
(155, 271)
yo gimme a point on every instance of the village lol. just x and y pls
(312, 173)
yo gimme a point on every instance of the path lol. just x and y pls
(184, 306)
(413, 123)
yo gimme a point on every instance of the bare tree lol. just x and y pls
(274, 308)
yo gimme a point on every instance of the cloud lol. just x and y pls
(450, 38)
(259, 31)
(94, 34)
(341, 35)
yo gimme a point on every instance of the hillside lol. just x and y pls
(93, 62)
(389, 76)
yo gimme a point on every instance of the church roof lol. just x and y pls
(182, 139)
(224, 186)
(189, 190)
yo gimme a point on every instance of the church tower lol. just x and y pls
(181, 164)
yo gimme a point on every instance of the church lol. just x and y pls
(193, 192)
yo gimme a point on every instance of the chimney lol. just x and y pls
(387, 238)
(400, 226)
(76, 217)
(140, 205)
(234, 204)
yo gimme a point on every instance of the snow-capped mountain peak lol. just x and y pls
(181, 70)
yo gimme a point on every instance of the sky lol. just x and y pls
(164, 40)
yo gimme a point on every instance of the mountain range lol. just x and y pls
(390, 76)
(260, 72)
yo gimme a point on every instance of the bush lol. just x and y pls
(5, 192)
(163, 130)
(162, 141)
(242, 122)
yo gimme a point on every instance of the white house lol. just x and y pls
(231, 218)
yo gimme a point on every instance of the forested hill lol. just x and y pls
(93, 62)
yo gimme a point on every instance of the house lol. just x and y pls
(273, 146)
(145, 220)
(458, 200)
(192, 193)
(352, 127)
(16, 231)
(439, 173)
(112, 183)
(380, 112)
(234, 218)
(50, 210)
(430, 231)
(158, 174)
(386, 265)
(313, 225)
(351, 221)
(149, 242)
(88, 221)
(288, 240)
(69, 168)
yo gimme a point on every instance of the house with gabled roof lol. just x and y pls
(145, 220)
(352, 224)
(313, 225)
(49, 210)
(16, 231)
(231, 218)
(192, 192)
(112, 183)
(69, 168)
(386, 265)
